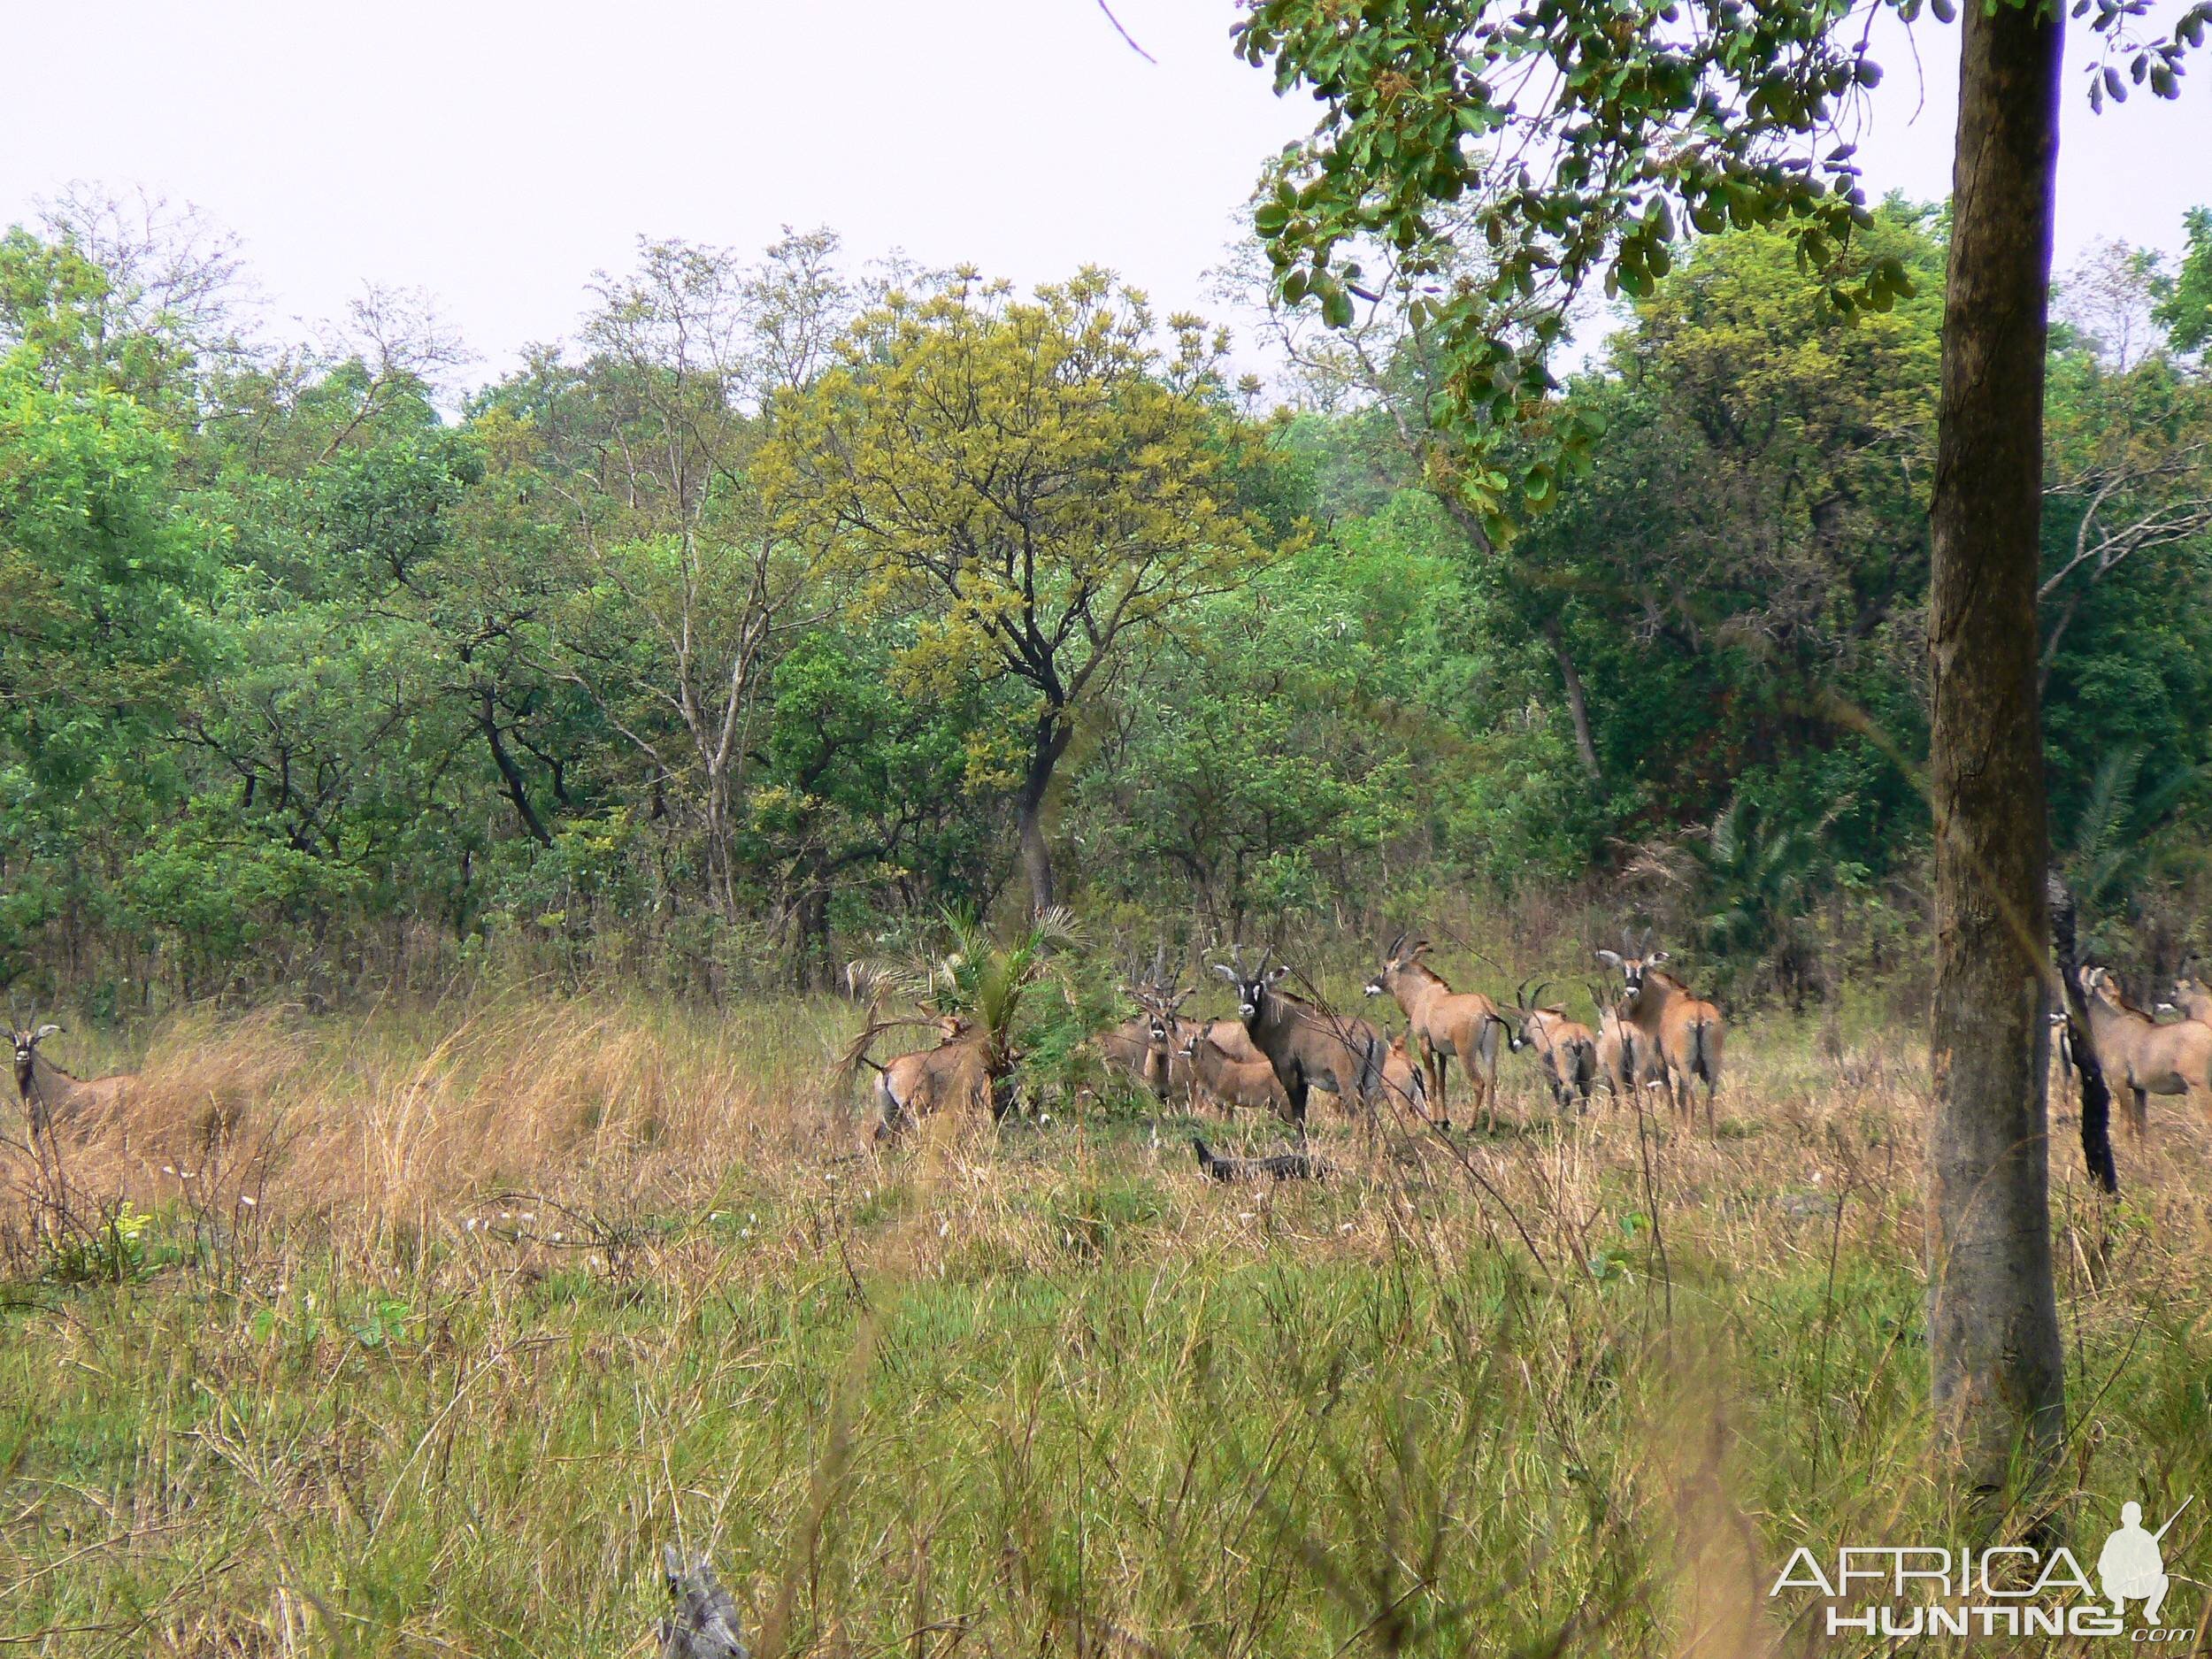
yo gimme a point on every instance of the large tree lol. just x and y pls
(1028, 486)
(1574, 136)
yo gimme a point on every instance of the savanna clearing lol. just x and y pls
(421, 1331)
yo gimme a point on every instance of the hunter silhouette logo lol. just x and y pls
(2130, 1567)
(2004, 1590)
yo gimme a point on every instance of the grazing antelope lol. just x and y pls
(1566, 1049)
(1218, 1075)
(2138, 1054)
(956, 1074)
(51, 1094)
(1309, 1047)
(1685, 1032)
(1445, 1024)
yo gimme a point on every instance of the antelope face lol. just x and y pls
(27, 1053)
(1632, 968)
(1396, 960)
(1253, 984)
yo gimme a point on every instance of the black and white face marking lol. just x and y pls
(1252, 988)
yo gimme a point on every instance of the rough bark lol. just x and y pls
(1998, 1382)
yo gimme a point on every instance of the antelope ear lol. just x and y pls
(1656, 957)
(1281, 972)
(1612, 958)
(1225, 972)
(1419, 948)
(43, 1033)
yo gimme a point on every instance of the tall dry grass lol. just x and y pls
(529, 1285)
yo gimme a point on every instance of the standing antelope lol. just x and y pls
(1685, 1032)
(956, 1072)
(51, 1094)
(2134, 1051)
(1566, 1049)
(1624, 1064)
(1228, 1080)
(1445, 1024)
(1309, 1047)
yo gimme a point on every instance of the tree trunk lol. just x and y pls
(1049, 743)
(1578, 706)
(510, 774)
(1998, 1383)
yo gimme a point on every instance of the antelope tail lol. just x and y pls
(1704, 1041)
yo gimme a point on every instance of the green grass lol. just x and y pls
(1038, 1390)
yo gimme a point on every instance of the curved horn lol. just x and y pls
(1390, 951)
(1537, 997)
(1520, 996)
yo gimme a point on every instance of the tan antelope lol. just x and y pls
(2137, 1054)
(1624, 1064)
(1445, 1025)
(956, 1073)
(1566, 1049)
(1404, 1083)
(1684, 1031)
(1229, 1083)
(52, 1095)
(2191, 998)
(1309, 1047)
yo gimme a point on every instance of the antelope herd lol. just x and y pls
(1653, 1032)
(1282, 1046)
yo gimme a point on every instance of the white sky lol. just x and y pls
(497, 152)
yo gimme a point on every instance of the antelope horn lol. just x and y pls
(1537, 998)
(1390, 951)
(1520, 996)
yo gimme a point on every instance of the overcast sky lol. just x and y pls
(497, 152)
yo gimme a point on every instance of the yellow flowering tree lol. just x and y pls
(1031, 487)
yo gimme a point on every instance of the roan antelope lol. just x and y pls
(1682, 1030)
(956, 1074)
(1445, 1024)
(2192, 998)
(1231, 1082)
(1309, 1047)
(1403, 1081)
(2138, 1054)
(51, 1094)
(1566, 1049)
(1625, 1064)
